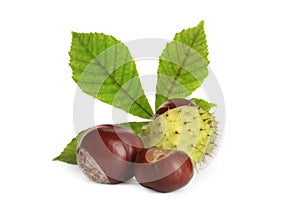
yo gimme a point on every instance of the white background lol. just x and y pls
(254, 51)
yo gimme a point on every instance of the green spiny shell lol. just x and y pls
(186, 128)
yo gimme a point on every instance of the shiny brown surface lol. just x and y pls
(173, 103)
(170, 173)
(114, 149)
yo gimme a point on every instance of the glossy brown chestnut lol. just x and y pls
(171, 104)
(106, 153)
(163, 170)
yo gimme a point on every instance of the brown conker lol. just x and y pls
(163, 170)
(171, 104)
(106, 153)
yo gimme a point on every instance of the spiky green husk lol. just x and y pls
(186, 128)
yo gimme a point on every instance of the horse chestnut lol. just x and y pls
(163, 170)
(106, 153)
(171, 104)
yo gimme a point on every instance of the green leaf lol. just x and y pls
(182, 65)
(203, 104)
(104, 68)
(69, 153)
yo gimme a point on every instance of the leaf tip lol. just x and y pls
(74, 33)
(57, 158)
(213, 105)
(201, 23)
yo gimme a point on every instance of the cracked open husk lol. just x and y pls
(187, 128)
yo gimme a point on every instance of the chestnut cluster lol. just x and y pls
(113, 154)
